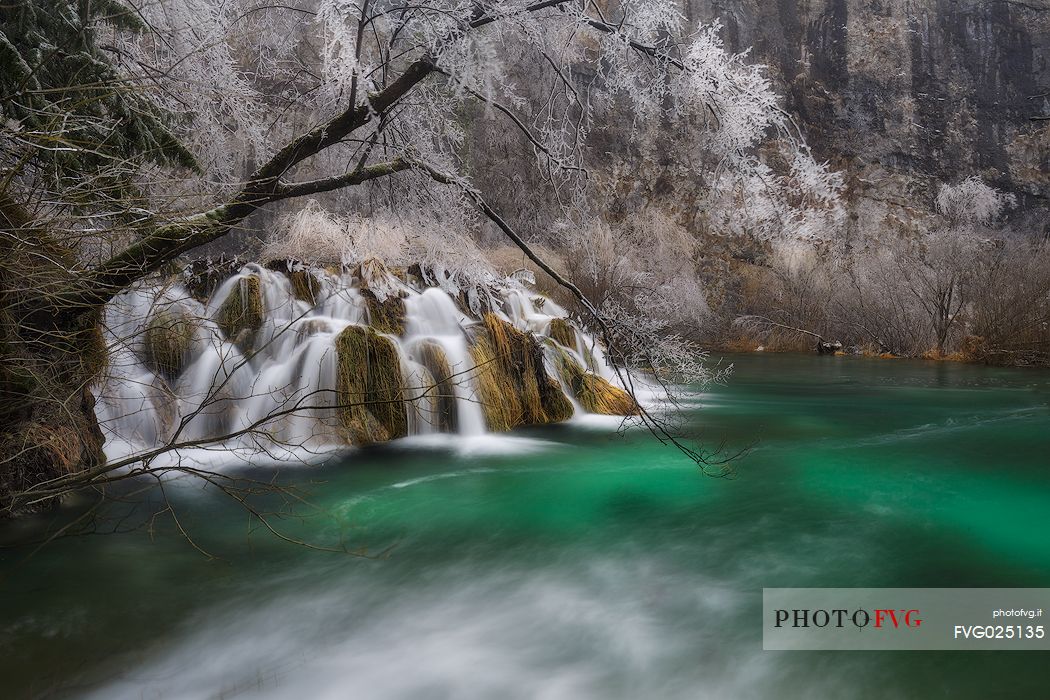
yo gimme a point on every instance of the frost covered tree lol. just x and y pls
(136, 133)
(935, 287)
(935, 268)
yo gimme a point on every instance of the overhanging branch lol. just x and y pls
(355, 177)
(263, 186)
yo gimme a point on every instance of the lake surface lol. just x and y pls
(572, 562)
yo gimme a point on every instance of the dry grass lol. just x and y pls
(383, 297)
(370, 385)
(304, 286)
(499, 396)
(432, 356)
(974, 348)
(740, 343)
(562, 332)
(514, 387)
(557, 406)
(385, 316)
(58, 446)
(593, 392)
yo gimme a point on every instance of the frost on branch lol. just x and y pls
(193, 60)
(642, 277)
(972, 202)
(803, 202)
(245, 80)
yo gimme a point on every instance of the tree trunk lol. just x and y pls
(49, 359)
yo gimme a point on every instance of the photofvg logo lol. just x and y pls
(903, 618)
(840, 617)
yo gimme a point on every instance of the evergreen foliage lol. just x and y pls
(69, 115)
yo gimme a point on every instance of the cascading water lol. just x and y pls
(259, 363)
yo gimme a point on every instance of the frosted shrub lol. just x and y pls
(242, 79)
(972, 201)
(450, 259)
(192, 61)
(642, 276)
(877, 309)
(800, 201)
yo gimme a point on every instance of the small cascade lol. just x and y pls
(435, 328)
(309, 359)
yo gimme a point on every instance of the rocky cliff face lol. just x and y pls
(904, 93)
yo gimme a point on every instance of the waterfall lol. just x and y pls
(310, 359)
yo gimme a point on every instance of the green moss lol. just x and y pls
(386, 316)
(304, 286)
(242, 310)
(512, 382)
(169, 342)
(432, 357)
(593, 392)
(370, 385)
(556, 405)
(563, 332)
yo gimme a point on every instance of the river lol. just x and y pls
(569, 561)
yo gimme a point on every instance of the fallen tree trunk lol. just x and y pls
(823, 347)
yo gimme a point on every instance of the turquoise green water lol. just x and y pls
(572, 562)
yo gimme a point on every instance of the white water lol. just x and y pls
(273, 393)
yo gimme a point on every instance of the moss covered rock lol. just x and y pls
(556, 405)
(168, 342)
(363, 428)
(594, 392)
(383, 297)
(202, 277)
(305, 285)
(241, 314)
(432, 357)
(370, 386)
(513, 385)
(387, 316)
(561, 331)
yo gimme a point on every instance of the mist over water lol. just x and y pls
(572, 562)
